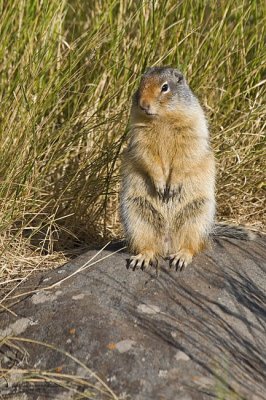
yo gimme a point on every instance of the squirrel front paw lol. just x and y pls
(167, 192)
(172, 191)
(161, 189)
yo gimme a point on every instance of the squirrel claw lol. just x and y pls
(141, 261)
(180, 260)
(166, 193)
(171, 191)
(160, 190)
(161, 193)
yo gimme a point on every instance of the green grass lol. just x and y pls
(68, 70)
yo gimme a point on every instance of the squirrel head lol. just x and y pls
(163, 92)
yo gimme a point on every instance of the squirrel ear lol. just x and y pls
(147, 70)
(178, 75)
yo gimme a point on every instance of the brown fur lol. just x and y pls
(168, 177)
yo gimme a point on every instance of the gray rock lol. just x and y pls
(195, 335)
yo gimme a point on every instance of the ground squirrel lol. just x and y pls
(167, 200)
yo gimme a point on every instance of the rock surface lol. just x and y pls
(195, 335)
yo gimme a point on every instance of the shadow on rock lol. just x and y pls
(197, 335)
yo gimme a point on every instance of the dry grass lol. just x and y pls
(68, 71)
(83, 385)
(12, 298)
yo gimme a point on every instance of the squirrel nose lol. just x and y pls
(144, 105)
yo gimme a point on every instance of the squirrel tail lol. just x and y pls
(232, 231)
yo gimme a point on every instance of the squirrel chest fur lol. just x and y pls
(167, 198)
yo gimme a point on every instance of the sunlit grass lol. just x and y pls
(68, 70)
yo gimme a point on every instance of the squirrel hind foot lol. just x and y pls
(180, 260)
(142, 261)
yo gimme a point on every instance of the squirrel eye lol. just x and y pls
(165, 87)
